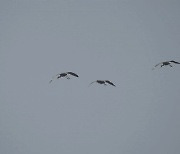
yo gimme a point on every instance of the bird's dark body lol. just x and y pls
(166, 63)
(62, 75)
(100, 81)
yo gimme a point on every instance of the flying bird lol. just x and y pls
(104, 82)
(166, 63)
(61, 75)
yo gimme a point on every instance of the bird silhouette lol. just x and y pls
(104, 82)
(61, 75)
(166, 63)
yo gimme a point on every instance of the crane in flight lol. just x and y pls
(166, 63)
(61, 75)
(104, 82)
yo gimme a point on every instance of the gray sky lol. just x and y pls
(119, 40)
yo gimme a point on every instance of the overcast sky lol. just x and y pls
(118, 40)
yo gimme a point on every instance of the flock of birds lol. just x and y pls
(67, 76)
(105, 82)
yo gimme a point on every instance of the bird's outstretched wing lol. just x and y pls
(71, 73)
(55, 76)
(157, 65)
(92, 83)
(174, 62)
(107, 81)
